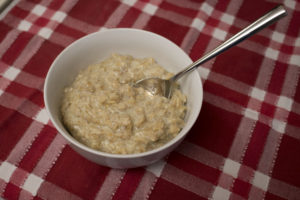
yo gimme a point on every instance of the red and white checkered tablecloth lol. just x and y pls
(244, 145)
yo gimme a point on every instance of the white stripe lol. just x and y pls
(38, 10)
(42, 116)
(50, 156)
(156, 168)
(24, 143)
(290, 3)
(295, 60)
(220, 194)
(24, 25)
(285, 102)
(32, 184)
(261, 180)
(231, 167)
(6, 170)
(272, 53)
(251, 114)
(150, 9)
(229, 19)
(11, 73)
(219, 34)
(206, 8)
(59, 16)
(279, 126)
(129, 2)
(198, 24)
(258, 93)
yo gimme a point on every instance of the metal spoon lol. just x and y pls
(157, 86)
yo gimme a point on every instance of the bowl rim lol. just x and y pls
(83, 147)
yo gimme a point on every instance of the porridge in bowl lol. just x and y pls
(102, 110)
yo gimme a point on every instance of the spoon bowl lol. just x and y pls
(157, 86)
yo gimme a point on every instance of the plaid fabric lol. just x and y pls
(244, 145)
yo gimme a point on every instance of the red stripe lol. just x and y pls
(294, 119)
(11, 192)
(4, 29)
(277, 78)
(41, 61)
(20, 90)
(56, 4)
(270, 196)
(180, 10)
(129, 18)
(51, 191)
(19, 12)
(287, 49)
(11, 130)
(48, 13)
(37, 98)
(193, 167)
(240, 64)
(164, 190)
(41, 21)
(94, 12)
(37, 198)
(297, 94)
(18, 177)
(215, 129)
(77, 175)
(5, 114)
(16, 48)
(293, 30)
(259, 39)
(37, 149)
(199, 47)
(33, 95)
(129, 184)
(249, 11)
(69, 31)
(164, 27)
(287, 163)
(246, 173)
(241, 188)
(213, 22)
(221, 5)
(4, 82)
(226, 93)
(268, 109)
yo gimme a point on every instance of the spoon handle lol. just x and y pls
(269, 18)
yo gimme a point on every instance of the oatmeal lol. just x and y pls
(102, 110)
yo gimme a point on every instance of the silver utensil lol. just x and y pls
(157, 86)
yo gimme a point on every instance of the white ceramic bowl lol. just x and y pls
(98, 46)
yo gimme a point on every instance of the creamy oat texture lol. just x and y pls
(102, 110)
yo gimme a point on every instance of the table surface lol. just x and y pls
(244, 145)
